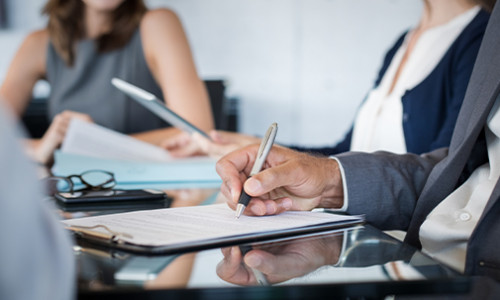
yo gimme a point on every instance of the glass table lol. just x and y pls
(358, 262)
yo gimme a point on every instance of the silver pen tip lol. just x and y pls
(239, 210)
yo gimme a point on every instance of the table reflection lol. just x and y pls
(358, 254)
(331, 257)
(280, 261)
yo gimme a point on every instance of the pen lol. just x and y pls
(265, 147)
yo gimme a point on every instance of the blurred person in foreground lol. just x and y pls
(36, 256)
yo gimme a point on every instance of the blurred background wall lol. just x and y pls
(306, 64)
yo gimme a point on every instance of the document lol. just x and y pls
(185, 228)
(90, 139)
(134, 163)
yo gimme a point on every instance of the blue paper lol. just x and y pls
(181, 171)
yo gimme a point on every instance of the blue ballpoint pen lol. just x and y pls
(265, 147)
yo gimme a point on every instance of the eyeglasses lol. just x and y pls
(94, 180)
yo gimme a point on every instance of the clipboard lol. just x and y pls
(100, 229)
(156, 106)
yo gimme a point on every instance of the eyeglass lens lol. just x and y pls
(97, 178)
(93, 179)
(58, 184)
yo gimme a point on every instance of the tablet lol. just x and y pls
(110, 196)
(156, 106)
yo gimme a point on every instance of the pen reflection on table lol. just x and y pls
(259, 276)
(265, 147)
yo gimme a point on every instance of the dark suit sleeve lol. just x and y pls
(385, 186)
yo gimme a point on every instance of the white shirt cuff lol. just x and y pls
(344, 186)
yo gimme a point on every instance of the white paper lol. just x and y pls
(94, 140)
(171, 226)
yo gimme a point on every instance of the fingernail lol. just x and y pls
(253, 261)
(270, 208)
(232, 191)
(253, 186)
(256, 209)
(233, 194)
(287, 203)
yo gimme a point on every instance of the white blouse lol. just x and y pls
(446, 230)
(379, 122)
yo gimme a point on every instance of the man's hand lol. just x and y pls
(289, 180)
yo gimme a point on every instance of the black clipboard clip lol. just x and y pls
(112, 236)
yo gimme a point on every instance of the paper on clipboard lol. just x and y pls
(187, 228)
(156, 106)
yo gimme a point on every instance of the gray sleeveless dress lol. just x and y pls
(86, 86)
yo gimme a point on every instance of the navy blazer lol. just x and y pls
(431, 108)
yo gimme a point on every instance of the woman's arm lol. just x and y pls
(27, 67)
(168, 55)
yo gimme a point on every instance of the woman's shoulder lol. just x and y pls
(34, 48)
(474, 30)
(469, 40)
(37, 38)
(158, 17)
(159, 27)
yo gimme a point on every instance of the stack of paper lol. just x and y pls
(88, 146)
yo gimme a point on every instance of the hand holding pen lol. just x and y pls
(265, 147)
(290, 180)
